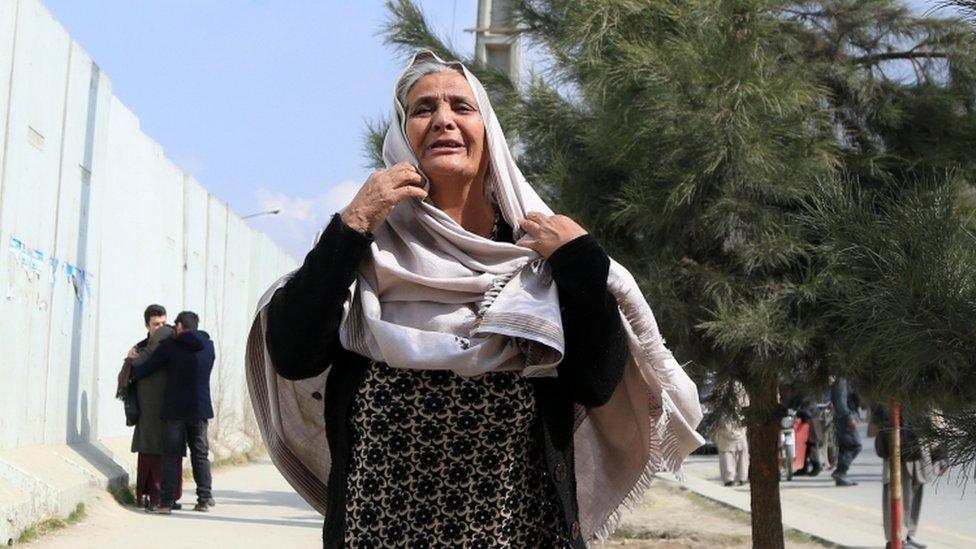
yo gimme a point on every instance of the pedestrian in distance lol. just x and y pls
(918, 468)
(188, 358)
(847, 404)
(731, 442)
(490, 376)
(806, 411)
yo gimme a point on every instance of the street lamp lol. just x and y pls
(276, 211)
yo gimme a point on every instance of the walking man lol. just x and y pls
(188, 358)
(846, 405)
(730, 440)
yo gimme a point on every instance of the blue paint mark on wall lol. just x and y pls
(32, 262)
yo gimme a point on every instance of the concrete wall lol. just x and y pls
(96, 223)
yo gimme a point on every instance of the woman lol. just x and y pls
(484, 388)
(147, 437)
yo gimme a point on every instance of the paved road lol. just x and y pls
(948, 509)
(255, 508)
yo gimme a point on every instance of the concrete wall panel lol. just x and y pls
(98, 223)
(235, 319)
(195, 207)
(71, 338)
(214, 306)
(27, 215)
(8, 23)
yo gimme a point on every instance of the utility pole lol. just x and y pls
(497, 45)
(496, 40)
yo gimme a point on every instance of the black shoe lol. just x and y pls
(729, 483)
(201, 508)
(816, 470)
(842, 480)
(800, 473)
(914, 544)
(160, 510)
(209, 502)
(177, 507)
(739, 483)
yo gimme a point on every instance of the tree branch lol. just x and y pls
(872, 59)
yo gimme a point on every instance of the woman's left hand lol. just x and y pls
(545, 234)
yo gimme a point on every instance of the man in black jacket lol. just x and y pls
(188, 358)
(846, 403)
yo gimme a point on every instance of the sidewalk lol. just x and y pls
(255, 508)
(848, 517)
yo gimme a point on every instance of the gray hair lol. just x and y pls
(433, 66)
(419, 70)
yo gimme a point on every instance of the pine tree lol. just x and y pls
(709, 145)
(895, 237)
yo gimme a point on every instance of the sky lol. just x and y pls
(265, 103)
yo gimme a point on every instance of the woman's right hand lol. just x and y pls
(382, 191)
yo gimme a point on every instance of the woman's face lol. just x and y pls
(445, 128)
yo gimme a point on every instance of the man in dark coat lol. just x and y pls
(846, 404)
(188, 358)
(147, 438)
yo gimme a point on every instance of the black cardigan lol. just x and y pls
(303, 341)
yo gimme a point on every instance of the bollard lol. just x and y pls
(894, 465)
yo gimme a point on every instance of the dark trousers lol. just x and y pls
(911, 500)
(848, 445)
(177, 435)
(149, 478)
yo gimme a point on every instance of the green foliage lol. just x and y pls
(901, 301)
(42, 528)
(373, 141)
(122, 494)
(954, 433)
(791, 183)
(689, 136)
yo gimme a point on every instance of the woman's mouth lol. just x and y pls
(445, 146)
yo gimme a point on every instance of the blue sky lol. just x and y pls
(264, 102)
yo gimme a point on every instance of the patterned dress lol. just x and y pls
(439, 460)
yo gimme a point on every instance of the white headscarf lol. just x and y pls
(431, 295)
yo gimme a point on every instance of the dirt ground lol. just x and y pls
(673, 517)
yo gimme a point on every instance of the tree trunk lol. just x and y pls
(763, 435)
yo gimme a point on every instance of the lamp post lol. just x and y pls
(275, 211)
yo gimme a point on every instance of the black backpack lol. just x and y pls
(131, 403)
(882, 442)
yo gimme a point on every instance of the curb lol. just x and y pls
(41, 482)
(829, 533)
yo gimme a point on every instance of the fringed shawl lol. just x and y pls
(431, 295)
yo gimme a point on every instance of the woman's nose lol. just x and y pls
(443, 118)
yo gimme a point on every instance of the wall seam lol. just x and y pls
(10, 102)
(57, 230)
